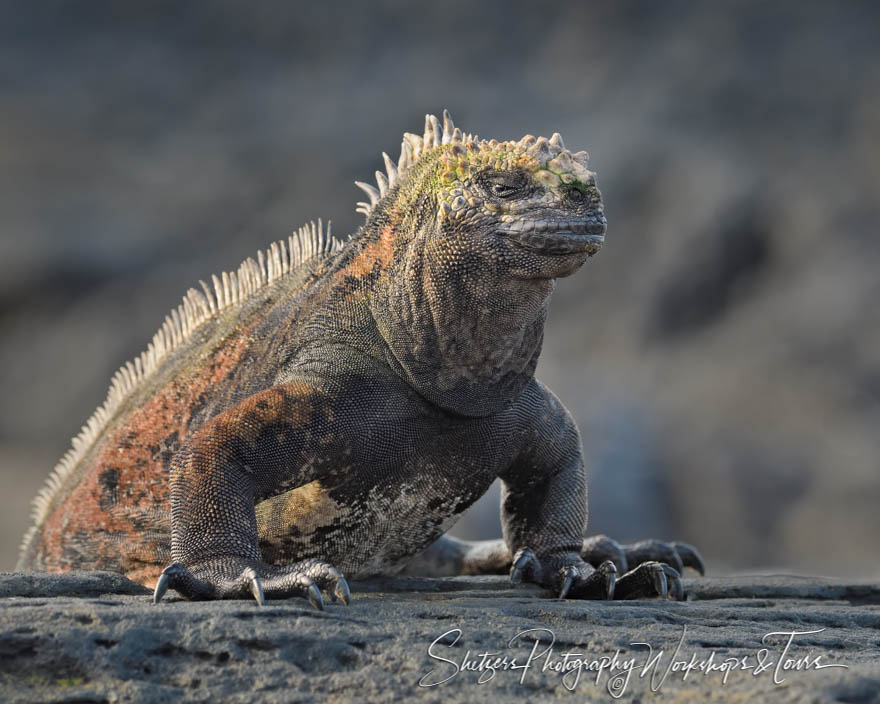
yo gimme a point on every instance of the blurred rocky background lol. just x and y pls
(722, 354)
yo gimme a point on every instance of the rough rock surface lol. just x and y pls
(90, 637)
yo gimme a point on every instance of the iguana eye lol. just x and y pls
(502, 190)
(504, 184)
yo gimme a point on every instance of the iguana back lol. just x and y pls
(106, 504)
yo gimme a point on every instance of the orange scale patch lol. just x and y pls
(118, 516)
(382, 251)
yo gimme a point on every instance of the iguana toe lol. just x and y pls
(327, 579)
(570, 573)
(690, 557)
(599, 548)
(678, 555)
(524, 564)
(596, 584)
(653, 551)
(649, 580)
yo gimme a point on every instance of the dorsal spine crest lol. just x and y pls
(196, 308)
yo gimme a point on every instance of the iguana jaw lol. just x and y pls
(556, 237)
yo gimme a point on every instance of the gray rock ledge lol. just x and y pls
(96, 637)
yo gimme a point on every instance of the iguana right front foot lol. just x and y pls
(235, 577)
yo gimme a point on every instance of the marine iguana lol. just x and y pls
(334, 406)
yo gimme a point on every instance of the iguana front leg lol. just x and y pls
(253, 451)
(544, 515)
(544, 504)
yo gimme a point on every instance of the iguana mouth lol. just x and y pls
(557, 236)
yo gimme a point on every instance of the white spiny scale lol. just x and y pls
(227, 289)
(371, 191)
(236, 286)
(416, 142)
(391, 169)
(382, 182)
(187, 314)
(243, 278)
(428, 138)
(448, 127)
(278, 259)
(405, 156)
(170, 331)
(285, 257)
(256, 278)
(436, 130)
(295, 254)
(218, 290)
(177, 327)
(131, 377)
(178, 323)
(236, 289)
(261, 260)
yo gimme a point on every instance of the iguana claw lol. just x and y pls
(256, 587)
(658, 576)
(569, 575)
(607, 571)
(161, 588)
(342, 591)
(610, 579)
(676, 588)
(315, 599)
(165, 579)
(522, 560)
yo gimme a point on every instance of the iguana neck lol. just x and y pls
(460, 331)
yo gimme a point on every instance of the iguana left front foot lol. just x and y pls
(648, 568)
(571, 577)
(601, 570)
(598, 548)
(567, 575)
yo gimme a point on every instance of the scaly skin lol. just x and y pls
(340, 419)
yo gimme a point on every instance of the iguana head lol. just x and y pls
(530, 206)
(463, 242)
